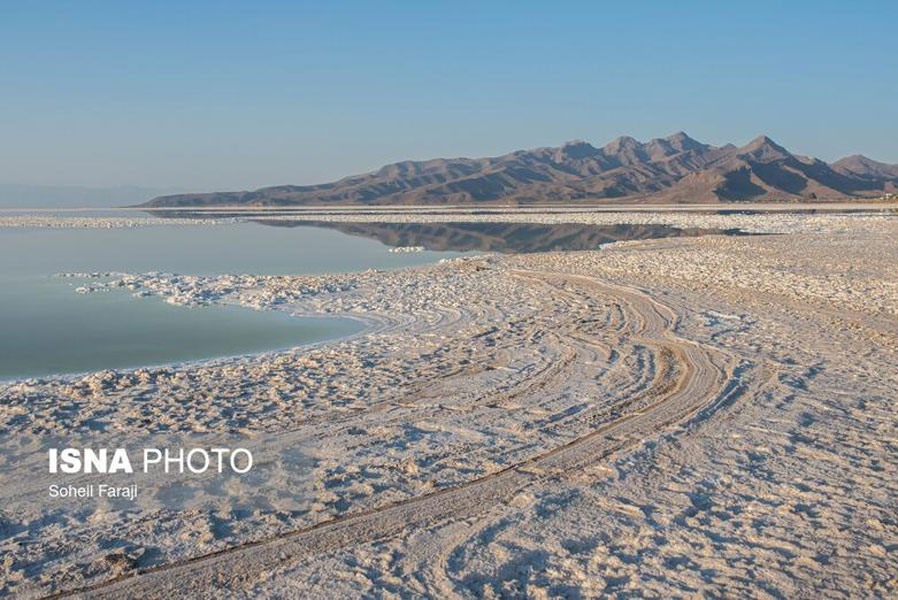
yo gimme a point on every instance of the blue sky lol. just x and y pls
(234, 95)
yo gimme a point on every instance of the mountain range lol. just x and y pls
(673, 169)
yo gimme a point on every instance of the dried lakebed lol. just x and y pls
(663, 417)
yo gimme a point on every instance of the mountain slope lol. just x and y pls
(672, 169)
(860, 166)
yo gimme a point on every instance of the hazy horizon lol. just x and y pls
(15, 195)
(221, 97)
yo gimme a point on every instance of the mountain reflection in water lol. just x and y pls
(508, 238)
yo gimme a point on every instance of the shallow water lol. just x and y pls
(464, 236)
(46, 328)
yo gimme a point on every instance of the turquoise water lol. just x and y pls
(46, 328)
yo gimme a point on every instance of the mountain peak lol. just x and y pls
(764, 148)
(861, 166)
(680, 136)
(622, 144)
(859, 159)
(682, 142)
(760, 142)
(625, 140)
(578, 149)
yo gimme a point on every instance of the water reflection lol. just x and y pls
(451, 236)
(508, 238)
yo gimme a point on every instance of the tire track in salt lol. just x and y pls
(691, 381)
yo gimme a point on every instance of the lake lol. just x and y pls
(46, 328)
(49, 329)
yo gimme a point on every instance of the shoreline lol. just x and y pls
(635, 206)
(369, 324)
(749, 219)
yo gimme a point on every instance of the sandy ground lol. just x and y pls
(679, 417)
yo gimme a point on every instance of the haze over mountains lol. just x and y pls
(14, 195)
(676, 168)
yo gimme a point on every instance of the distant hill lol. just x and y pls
(672, 169)
(861, 167)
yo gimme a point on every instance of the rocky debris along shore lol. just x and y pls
(75, 222)
(406, 249)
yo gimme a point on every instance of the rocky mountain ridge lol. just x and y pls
(673, 169)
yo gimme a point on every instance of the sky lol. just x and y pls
(238, 95)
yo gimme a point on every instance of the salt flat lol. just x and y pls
(671, 417)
